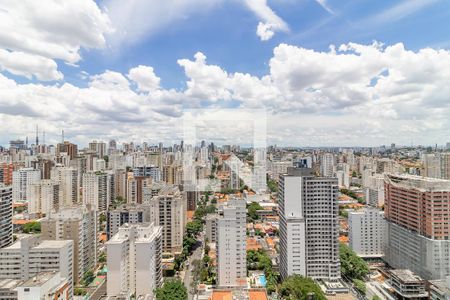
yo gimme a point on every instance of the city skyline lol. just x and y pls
(327, 73)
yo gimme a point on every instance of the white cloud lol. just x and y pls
(145, 78)
(29, 65)
(324, 4)
(270, 22)
(351, 95)
(49, 30)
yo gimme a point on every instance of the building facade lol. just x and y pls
(6, 213)
(367, 232)
(43, 197)
(131, 214)
(28, 257)
(168, 210)
(309, 229)
(22, 180)
(134, 261)
(231, 244)
(98, 190)
(78, 224)
(417, 210)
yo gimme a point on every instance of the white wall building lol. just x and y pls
(98, 190)
(367, 232)
(43, 197)
(22, 179)
(134, 261)
(309, 228)
(28, 257)
(68, 184)
(44, 286)
(231, 243)
(80, 225)
(326, 164)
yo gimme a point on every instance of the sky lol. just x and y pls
(324, 72)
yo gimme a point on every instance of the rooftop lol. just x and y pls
(46, 244)
(9, 283)
(39, 279)
(418, 182)
(406, 275)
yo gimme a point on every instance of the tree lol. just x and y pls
(210, 209)
(259, 260)
(79, 292)
(32, 227)
(297, 287)
(172, 290)
(343, 213)
(252, 209)
(194, 228)
(273, 185)
(102, 257)
(360, 286)
(352, 266)
(102, 218)
(376, 298)
(88, 277)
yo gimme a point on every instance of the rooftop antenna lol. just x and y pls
(62, 136)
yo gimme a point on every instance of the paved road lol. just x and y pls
(99, 292)
(197, 254)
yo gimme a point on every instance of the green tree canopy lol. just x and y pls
(172, 290)
(273, 185)
(360, 286)
(193, 228)
(252, 209)
(297, 287)
(32, 227)
(352, 266)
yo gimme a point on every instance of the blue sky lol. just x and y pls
(68, 64)
(226, 34)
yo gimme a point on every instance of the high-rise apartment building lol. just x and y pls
(69, 184)
(120, 183)
(326, 165)
(231, 244)
(6, 212)
(78, 224)
(99, 147)
(22, 180)
(131, 214)
(67, 147)
(148, 171)
(134, 261)
(417, 210)
(168, 210)
(28, 257)
(135, 186)
(436, 165)
(367, 231)
(43, 197)
(7, 170)
(98, 190)
(309, 228)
